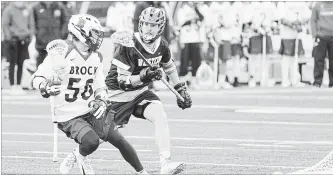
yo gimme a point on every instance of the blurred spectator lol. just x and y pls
(48, 20)
(120, 16)
(70, 9)
(322, 31)
(140, 6)
(192, 36)
(224, 32)
(259, 26)
(292, 22)
(17, 35)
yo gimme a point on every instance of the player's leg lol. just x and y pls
(155, 113)
(151, 108)
(126, 149)
(81, 131)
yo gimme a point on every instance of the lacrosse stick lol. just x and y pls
(57, 49)
(124, 38)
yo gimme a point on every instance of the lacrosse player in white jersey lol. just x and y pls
(71, 75)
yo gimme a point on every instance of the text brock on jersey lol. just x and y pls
(83, 70)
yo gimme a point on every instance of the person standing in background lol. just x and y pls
(292, 22)
(48, 20)
(322, 31)
(192, 36)
(17, 36)
(70, 9)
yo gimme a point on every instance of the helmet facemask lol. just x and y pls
(95, 39)
(155, 16)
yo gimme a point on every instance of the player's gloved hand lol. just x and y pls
(50, 88)
(182, 90)
(150, 74)
(98, 107)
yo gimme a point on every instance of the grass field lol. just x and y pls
(239, 131)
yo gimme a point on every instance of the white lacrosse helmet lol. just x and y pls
(87, 29)
(152, 15)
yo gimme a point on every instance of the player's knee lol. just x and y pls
(91, 140)
(155, 113)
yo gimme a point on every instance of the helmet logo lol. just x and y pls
(81, 23)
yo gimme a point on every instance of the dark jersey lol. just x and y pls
(127, 60)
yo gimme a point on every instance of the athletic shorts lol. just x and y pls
(288, 47)
(136, 107)
(77, 127)
(236, 49)
(225, 51)
(255, 46)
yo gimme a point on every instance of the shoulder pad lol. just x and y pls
(118, 49)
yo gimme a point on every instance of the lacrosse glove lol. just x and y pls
(148, 74)
(98, 107)
(50, 88)
(182, 90)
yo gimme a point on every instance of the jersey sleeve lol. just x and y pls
(166, 57)
(167, 62)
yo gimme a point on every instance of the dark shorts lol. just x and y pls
(225, 51)
(79, 126)
(288, 47)
(236, 49)
(255, 46)
(136, 107)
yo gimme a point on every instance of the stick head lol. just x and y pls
(123, 38)
(57, 50)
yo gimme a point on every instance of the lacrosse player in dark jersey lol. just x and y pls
(129, 77)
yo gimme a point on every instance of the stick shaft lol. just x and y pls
(163, 79)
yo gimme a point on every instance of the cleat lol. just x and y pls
(83, 163)
(68, 163)
(142, 172)
(172, 167)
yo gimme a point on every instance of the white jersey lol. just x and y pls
(82, 76)
(194, 32)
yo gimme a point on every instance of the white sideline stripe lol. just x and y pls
(263, 145)
(237, 108)
(221, 95)
(176, 120)
(187, 147)
(157, 162)
(65, 153)
(43, 142)
(190, 139)
(286, 111)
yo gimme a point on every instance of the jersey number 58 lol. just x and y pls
(87, 88)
